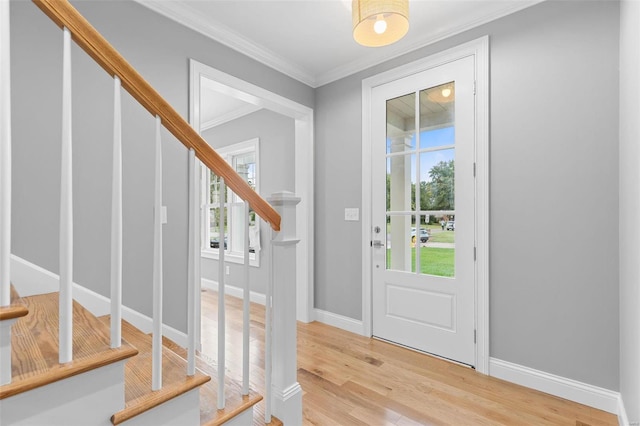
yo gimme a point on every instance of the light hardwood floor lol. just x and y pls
(352, 380)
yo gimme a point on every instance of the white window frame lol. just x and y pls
(228, 153)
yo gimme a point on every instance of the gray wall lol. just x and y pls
(159, 49)
(553, 196)
(630, 208)
(277, 173)
(554, 173)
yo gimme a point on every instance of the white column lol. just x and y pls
(66, 212)
(156, 351)
(401, 201)
(286, 391)
(5, 161)
(116, 220)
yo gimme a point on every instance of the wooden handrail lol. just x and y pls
(91, 41)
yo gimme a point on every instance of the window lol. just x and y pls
(243, 157)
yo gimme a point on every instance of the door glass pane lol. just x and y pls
(437, 180)
(401, 123)
(400, 250)
(419, 243)
(437, 255)
(437, 108)
(400, 186)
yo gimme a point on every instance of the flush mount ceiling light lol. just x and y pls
(379, 22)
(442, 94)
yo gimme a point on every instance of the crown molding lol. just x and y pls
(183, 14)
(393, 52)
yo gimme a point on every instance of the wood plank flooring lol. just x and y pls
(352, 380)
(34, 345)
(235, 402)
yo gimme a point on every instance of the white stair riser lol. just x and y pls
(183, 410)
(90, 398)
(243, 419)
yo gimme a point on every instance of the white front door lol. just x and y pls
(423, 211)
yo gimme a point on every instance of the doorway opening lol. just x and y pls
(240, 99)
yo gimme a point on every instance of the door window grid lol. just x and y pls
(433, 138)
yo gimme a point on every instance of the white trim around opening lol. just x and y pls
(304, 140)
(479, 49)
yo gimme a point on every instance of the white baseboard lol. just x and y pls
(30, 279)
(234, 291)
(623, 420)
(339, 321)
(593, 396)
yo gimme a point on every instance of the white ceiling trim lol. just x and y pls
(185, 15)
(394, 52)
(230, 116)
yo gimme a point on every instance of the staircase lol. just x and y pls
(62, 363)
(104, 385)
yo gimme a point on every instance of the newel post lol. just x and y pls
(286, 391)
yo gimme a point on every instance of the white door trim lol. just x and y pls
(304, 141)
(480, 50)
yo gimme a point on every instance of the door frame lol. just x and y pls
(304, 166)
(479, 49)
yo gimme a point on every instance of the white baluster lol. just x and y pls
(193, 254)
(268, 336)
(156, 351)
(246, 333)
(5, 190)
(116, 220)
(5, 158)
(221, 291)
(66, 212)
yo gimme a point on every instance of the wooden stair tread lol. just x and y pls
(16, 308)
(235, 402)
(34, 345)
(138, 394)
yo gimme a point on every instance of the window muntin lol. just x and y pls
(243, 157)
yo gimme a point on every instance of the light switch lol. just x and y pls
(352, 214)
(163, 215)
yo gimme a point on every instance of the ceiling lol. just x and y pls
(311, 41)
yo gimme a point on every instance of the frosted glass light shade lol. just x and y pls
(367, 12)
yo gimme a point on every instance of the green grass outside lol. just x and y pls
(433, 261)
(442, 236)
